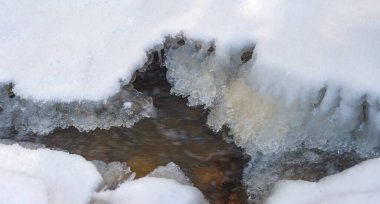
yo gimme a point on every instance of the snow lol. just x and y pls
(39, 176)
(358, 184)
(46, 176)
(21, 188)
(315, 63)
(54, 50)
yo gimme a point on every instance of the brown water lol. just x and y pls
(178, 134)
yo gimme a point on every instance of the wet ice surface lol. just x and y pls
(178, 134)
(21, 116)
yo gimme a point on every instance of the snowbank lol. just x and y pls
(45, 176)
(54, 50)
(39, 176)
(314, 64)
(358, 184)
(21, 188)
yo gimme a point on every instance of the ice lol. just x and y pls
(23, 116)
(267, 119)
(113, 174)
(170, 171)
(165, 184)
(358, 184)
(46, 176)
(152, 190)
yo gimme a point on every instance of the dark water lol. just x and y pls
(177, 134)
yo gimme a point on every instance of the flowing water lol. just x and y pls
(177, 134)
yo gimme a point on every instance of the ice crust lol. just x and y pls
(23, 116)
(152, 190)
(39, 176)
(171, 171)
(267, 119)
(358, 184)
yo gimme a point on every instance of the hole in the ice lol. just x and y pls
(181, 42)
(247, 54)
(321, 96)
(211, 49)
(365, 111)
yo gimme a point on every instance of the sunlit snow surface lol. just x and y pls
(80, 50)
(41, 176)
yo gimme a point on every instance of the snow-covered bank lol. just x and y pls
(61, 177)
(315, 63)
(72, 50)
(358, 184)
(48, 176)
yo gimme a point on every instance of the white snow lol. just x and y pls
(54, 50)
(65, 51)
(51, 176)
(358, 184)
(39, 176)
(21, 188)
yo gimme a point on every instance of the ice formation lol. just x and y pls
(170, 171)
(358, 184)
(49, 176)
(152, 190)
(21, 116)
